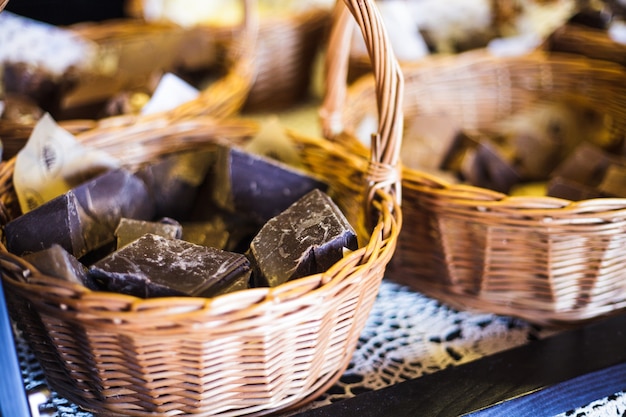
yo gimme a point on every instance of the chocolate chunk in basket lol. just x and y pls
(129, 230)
(83, 219)
(307, 238)
(237, 229)
(571, 190)
(173, 181)
(255, 186)
(614, 182)
(155, 266)
(213, 233)
(57, 262)
(589, 172)
(480, 162)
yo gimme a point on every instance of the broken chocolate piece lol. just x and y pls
(562, 187)
(129, 230)
(255, 186)
(477, 160)
(57, 262)
(154, 266)
(174, 181)
(586, 165)
(614, 182)
(207, 233)
(56, 221)
(84, 218)
(307, 238)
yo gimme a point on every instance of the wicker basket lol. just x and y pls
(251, 352)
(587, 41)
(124, 39)
(3, 3)
(284, 56)
(141, 49)
(546, 260)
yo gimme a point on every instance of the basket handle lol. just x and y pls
(384, 165)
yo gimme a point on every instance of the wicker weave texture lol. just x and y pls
(547, 260)
(251, 352)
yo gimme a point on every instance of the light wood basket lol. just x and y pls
(251, 352)
(587, 41)
(124, 38)
(285, 51)
(141, 49)
(546, 260)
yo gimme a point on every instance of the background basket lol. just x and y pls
(543, 259)
(284, 53)
(590, 42)
(250, 352)
(124, 40)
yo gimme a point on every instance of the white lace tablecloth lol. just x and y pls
(407, 335)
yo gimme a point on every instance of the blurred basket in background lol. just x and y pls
(290, 35)
(544, 259)
(426, 27)
(250, 352)
(130, 53)
(587, 41)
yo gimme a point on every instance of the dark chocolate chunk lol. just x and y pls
(173, 182)
(587, 165)
(490, 169)
(56, 221)
(84, 218)
(257, 187)
(476, 159)
(57, 262)
(154, 266)
(571, 190)
(307, 238)
(129, 230)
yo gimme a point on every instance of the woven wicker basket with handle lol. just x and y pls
(222, 98)
(134, 44)
(250, 352)
(547, 260)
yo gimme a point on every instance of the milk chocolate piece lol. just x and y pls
(129, 230)
(614, 182)
(257, 187)
(173, 182)
(207, 233)
(154, 266)
(307, 238)
(84, 218)
(57, 262)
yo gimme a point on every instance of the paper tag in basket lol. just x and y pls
(52, 162)
(170, 93)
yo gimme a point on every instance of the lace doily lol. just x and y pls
(406, 336)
